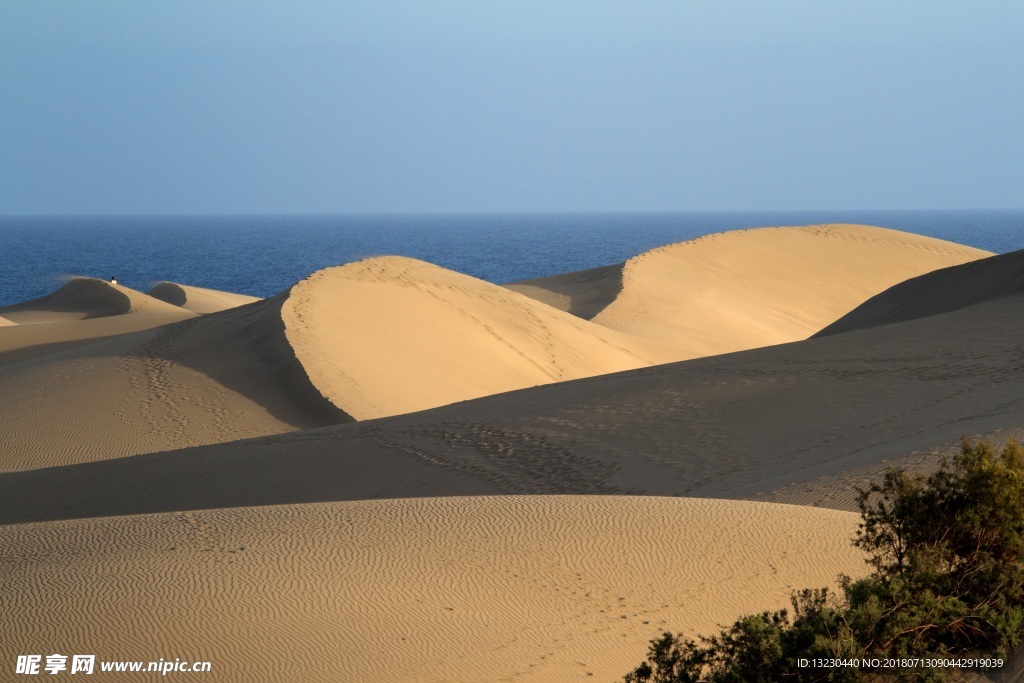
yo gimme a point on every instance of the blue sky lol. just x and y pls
(323, 107)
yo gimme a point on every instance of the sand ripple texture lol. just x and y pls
(557, 588)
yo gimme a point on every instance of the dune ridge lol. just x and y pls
(746, 289)
(752, 288)
(717, 294)
(209, 379)
(81, 311)
(334, 347)
(198, 299)
(940, 291)
(83, 298)
(374, 339)
(734, 426)
(377, 338)
(550, 588)
(414, 547)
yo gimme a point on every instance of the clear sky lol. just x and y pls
(379, 106)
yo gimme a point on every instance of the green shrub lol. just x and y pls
(947, 554)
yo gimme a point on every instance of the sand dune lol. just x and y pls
(350, 326)
(83, 298)
(457, 589)
(734, 426)
(746, 289)
(393, 335)
(23, 342)
(387, 572)
(211, 379)
(377, 338)
(941, 291)
(584, 293)
(82, 311)
(364, 340)
(198, 299)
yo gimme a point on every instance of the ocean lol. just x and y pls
(262, 255)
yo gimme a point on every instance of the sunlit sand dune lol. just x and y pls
(374, 338)
(83, 310)
(457, 589)
(730, 426)
(392, 335)
(289, 540)
(198, 299)
(84, 298)
(745, 289)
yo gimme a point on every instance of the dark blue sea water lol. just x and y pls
(261, 255)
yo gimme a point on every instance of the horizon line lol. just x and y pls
(493, 212)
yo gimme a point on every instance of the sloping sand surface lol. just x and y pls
(732, 426)
(23, 342)
(216, 378)
(82, 311)
(379, 337)
(83, 298)
(199, 299)
(584, 293)
(393, 335)
(941, 291)
(385, 336)
(746, 289)
(838, 490)
(458, 589)
(388, 572)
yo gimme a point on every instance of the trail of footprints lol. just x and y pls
(162, 400)
(514, 462)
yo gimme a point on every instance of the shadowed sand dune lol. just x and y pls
(584, 293)
(23, 342)
(941, 291)
(83, 298)
(380, 337)
(388, 573)
(82, 311)
(373, 338)
(732, 426)
(745, 289)
(198, 299)
(215, 378)
(455, 589)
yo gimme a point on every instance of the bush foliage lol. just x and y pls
(947, 580)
